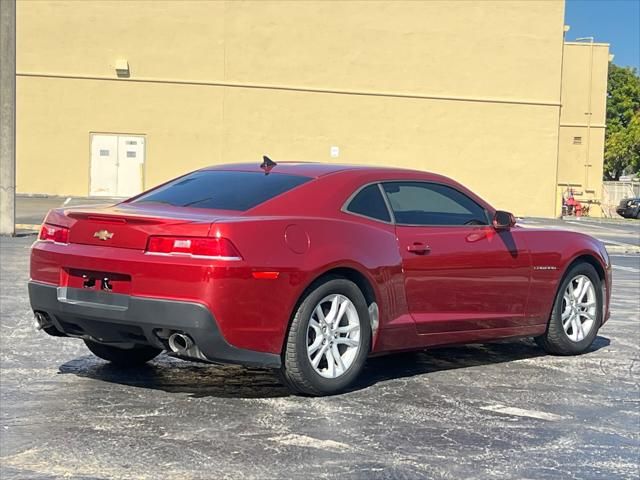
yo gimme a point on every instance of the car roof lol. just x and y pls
(315, 169)
(334, 183)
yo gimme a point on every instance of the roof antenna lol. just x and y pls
(267, 164)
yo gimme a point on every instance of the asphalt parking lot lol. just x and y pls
(494, 411)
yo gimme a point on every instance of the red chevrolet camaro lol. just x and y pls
(308, 269)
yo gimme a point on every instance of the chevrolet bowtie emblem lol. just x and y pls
(103, 235)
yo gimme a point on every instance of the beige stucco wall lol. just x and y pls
(583, 117)
(468, 89)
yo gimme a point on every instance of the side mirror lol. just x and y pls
(503, 220)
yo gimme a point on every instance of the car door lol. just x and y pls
(460, 274)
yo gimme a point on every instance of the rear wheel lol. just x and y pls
(577, 313)
(123, 357)
(329, 339)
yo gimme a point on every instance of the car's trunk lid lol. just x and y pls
(130, 226)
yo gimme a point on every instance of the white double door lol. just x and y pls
(117, 163)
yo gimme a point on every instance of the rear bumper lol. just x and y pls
(125, 319)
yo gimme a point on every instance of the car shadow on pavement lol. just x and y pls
(402, 365)
(232, 381)
(176, 376)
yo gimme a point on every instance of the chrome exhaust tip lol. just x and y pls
(180, 342)
(41, 320)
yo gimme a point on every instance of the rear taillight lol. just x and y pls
(211, 247)
(54, 233)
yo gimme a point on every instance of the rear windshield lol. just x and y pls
(224, 190)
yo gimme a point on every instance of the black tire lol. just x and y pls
(555, 340)
(123, 357)
(297, 372)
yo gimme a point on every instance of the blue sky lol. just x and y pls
(616, 22)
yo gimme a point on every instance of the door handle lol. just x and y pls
(418, 248)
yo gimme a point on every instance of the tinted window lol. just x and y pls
(369, 202)
(223, 190)
(417, 203)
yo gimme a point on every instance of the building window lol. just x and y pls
(577, 140)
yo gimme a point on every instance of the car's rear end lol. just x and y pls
(162, 270)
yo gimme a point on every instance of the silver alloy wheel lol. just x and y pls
(333, 336)
(579, 308)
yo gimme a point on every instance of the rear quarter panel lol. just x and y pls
(255, 313)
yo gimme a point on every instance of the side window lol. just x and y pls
(421, 203)
(369, 202)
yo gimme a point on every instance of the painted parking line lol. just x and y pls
(27, 226)
(604, 222)
(305, 441)
(626, 269)
(613, 242)
(521, 412)
(625, 248)
(610, 229)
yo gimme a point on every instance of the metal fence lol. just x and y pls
(614, 192)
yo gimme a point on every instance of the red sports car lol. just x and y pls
(308, 269)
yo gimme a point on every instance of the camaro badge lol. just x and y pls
(103, 234)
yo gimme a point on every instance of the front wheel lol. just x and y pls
(123, 357)
(577, 313)
(328, 341)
